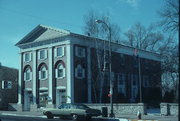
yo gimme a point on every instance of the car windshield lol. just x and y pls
(81, 106)
(65, 106)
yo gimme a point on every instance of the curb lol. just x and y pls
(10, 114)
(105, 119)
(120, 119)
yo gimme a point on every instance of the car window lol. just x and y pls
(81, 106)
(61, 106)
(67, 106)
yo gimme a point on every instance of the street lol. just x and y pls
(21, 118)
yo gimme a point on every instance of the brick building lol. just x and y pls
(59, 66)
(8, 86)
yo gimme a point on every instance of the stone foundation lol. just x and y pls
(15, 107)
(122, 109)
(169, 109)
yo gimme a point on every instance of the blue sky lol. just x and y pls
(19, 17)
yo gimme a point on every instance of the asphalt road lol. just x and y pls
(19, 118)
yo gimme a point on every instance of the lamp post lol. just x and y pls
(110, 68)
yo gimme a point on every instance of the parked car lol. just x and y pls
(74, 111)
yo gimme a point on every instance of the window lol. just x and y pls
(60, 71)
(27, 57)
(42, 54)
(145, 81)
(121, 83)
(43, 73)
(134, 92)
(121, 79)
(28, 74)
(135, 79)
(79, 72)
(59, 52)
(122, 59)
(135, 61)
(6, 84)
(121, 90)
(80, 51)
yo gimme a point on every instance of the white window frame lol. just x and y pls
(28, 70)
(76, 72)
(56, 51)
(9, 84)
(81, 50)
(24, 57)
(45, 54)
(43, 68)
(60, 66)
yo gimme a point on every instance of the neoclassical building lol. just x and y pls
(58, 66)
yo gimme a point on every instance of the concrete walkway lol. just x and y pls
(149, 117)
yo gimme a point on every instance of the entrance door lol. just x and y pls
(43, 98)
(27, 100)
(60, 97)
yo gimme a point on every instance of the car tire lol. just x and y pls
(74, 117)
(88, 118)
(49, 115)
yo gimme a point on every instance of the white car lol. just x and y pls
(75, 111)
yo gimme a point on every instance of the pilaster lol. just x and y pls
(20, 79)
(34, 53)
(89, 73)
(70, 73)
(50, 66)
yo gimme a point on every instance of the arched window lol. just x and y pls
(43, 73)
(79, 72)
(27, 74)
(60, 71)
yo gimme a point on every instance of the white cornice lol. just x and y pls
(46, 46)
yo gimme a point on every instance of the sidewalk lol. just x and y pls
(149, 117)
(24, 113)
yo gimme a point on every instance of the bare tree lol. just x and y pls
(100, 30)
(170, 23)
(152, 40)
(143, 38)
(170, 16)
(91, 28)
(170, 62)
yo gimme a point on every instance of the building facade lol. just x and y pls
(58, 66)
(8, 86)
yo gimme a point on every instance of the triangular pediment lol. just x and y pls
(41, 33)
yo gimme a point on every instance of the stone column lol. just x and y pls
(70, 73)
(19, 81)
(19, 104)
(34, 76)
(89, 73)
(33, 107)
(50, 67)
